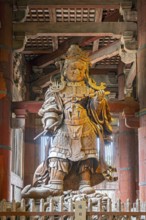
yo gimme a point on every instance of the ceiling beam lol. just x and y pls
(73, 4)
(101, 71)
(115, 106)
(115, 29)
(107, 66)
(106, 52)
(45, 60)
(29, 106)
(36, 51)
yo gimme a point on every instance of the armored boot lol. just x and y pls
(85, 186)
(57, 170)
(55, 185)
(53, 188)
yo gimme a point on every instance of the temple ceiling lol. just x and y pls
(43, 30)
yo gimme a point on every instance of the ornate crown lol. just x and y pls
(76, 53)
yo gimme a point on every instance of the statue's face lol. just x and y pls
(75, 71)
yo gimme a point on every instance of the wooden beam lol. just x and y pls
(87, 40)
(101, 71)
(45, 60)
(115, 106)
(132, 122)
(115, 29)
(52, 14)
(108, 66)
(73, 3)
(106, 52)
(98, 18)
(36, 51)
(29, 106)
(131, 76)
(127, 105)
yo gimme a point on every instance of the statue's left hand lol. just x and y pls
(100, 95)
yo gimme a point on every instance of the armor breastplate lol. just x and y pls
(72, 96)
(75, 114)
(75, 92)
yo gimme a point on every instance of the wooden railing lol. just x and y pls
(53, 209)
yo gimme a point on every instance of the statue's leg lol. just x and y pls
(58, 170)
(55, 185)
(85, 169)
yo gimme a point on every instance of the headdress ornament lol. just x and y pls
(76, 53)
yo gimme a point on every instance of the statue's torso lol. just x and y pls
(76, 139)
(75, 99)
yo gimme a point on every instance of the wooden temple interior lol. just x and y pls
(34, 35)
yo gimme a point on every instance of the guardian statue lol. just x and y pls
(74, 114)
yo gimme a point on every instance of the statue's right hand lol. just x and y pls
(49, 124)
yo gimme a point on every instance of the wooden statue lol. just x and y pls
(75, 112)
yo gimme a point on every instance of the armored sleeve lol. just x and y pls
(51, 111)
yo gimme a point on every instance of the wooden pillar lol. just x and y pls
(5, 102)
(121, 81)
(126, 169)
(32, 153)
(141, 66)
(29, 151)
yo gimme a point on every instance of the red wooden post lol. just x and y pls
(5, 102)
(141, 67)
(126, 169)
